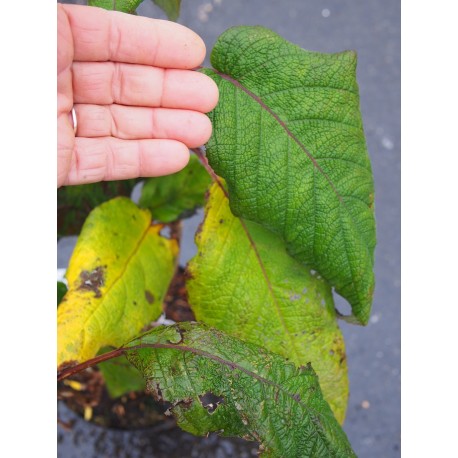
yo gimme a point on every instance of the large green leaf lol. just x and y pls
(118, 275)
(216, 382)
(126, 6)
(289, 141)
(170, 7)
(243, 282)
(176, 196)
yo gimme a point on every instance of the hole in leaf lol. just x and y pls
(343, 308)
(210, 401)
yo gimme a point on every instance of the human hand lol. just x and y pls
(138, 104)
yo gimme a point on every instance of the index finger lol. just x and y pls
(100, 35)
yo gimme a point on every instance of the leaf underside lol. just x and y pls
(289, 141)
(126, 6)
(118, 275)
(243, 282)
(176, 196)
(217, 383)
(170, 7)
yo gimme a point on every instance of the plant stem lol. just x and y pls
(68, 371)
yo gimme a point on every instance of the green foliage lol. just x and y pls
(126, 6)
(216, 382)
(74, 203)
(289, 141)
(170, 7)
(121, 377)
(289, 217)
(176, 196)
(118, 275)
(61, 290)
(243, 282)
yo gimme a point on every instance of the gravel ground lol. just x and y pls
(372, 29)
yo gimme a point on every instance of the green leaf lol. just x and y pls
(121, 377)
(170, 7)
(288, 139)
(172, 197)
(118, 275)
(61, 290)
(126, 6)
(216, 382)
(242, 281)
(75, 202)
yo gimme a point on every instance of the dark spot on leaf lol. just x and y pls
(93, 280)
(221, 221)
(134, 302)
(184, 403)
(155, 390)
(149, 296)
(210, 401)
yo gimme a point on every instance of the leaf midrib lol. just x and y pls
(114, 282)
(313, 413)
(277, 307)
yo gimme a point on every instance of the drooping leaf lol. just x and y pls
(75, 202)
(170, 7)
(216, 382)
(121, 377)
(126, 6)
(61, 290)
(118, 275)
(288, 139)
(172, 197)
(242, 281)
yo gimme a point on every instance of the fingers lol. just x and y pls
(130, 123)
(100, 35)
(105, 159)
(139, 85)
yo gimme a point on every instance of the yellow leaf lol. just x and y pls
(118, 275)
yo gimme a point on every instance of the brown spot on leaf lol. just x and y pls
(93, 280)
(154, 389)
(149, 296)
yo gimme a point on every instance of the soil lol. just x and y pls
(85, 393)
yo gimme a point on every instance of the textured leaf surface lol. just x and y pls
(216, 382)
(126, 6)
(243, 282)
(170, 7)
(176, 196)
(118, 275)
(289, 141)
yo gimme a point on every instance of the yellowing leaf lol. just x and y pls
(118, 275)
(244, 282)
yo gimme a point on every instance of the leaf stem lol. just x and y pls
(68, 371)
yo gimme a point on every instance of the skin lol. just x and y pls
(139, 105)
